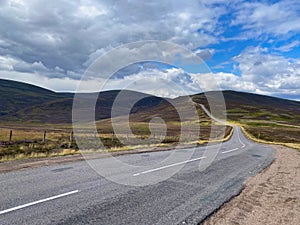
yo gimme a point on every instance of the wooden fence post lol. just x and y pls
(44, 136)
(10, 135)
(71, 138)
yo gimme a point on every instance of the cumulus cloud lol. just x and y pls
(70, 34)
(170, 82)
(264, 73)
(268, 18)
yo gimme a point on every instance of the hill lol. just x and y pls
(15, 96)
(22, 102)
(265, 118)
(242, 106)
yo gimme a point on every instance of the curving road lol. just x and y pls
(74, 193)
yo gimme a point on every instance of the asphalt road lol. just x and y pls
(74, 193)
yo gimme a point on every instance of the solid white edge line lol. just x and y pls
(164, 167)
(37, 202)
(243, 144)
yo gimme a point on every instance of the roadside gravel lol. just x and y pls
(271, 197)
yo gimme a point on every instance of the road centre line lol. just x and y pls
(232, 150)
(223, 122)
(165, 167)
(38, 202)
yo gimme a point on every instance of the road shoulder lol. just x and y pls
(271, 197)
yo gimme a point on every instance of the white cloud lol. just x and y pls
(6, 63)
(168, 83)
(9, 65)
(90, 9)
(288, 47)
(279, 18)
(264, 73)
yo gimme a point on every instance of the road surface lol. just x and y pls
(74, 193)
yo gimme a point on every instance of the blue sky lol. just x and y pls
(251, 46)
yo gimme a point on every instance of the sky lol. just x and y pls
(251, 46)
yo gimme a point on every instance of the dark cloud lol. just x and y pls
(65, 33)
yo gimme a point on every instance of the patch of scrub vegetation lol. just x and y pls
(275, 133)
(264, 136)
(237, 110)
(242, 107)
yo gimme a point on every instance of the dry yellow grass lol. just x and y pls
(33, 134)
(39, 155)
(58, 138)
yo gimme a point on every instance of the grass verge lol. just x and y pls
(64, 152)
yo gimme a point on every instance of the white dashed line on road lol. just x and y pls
(232, 150)
(165, 167)
(37, 202)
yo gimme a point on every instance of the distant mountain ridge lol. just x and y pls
(22, 102)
